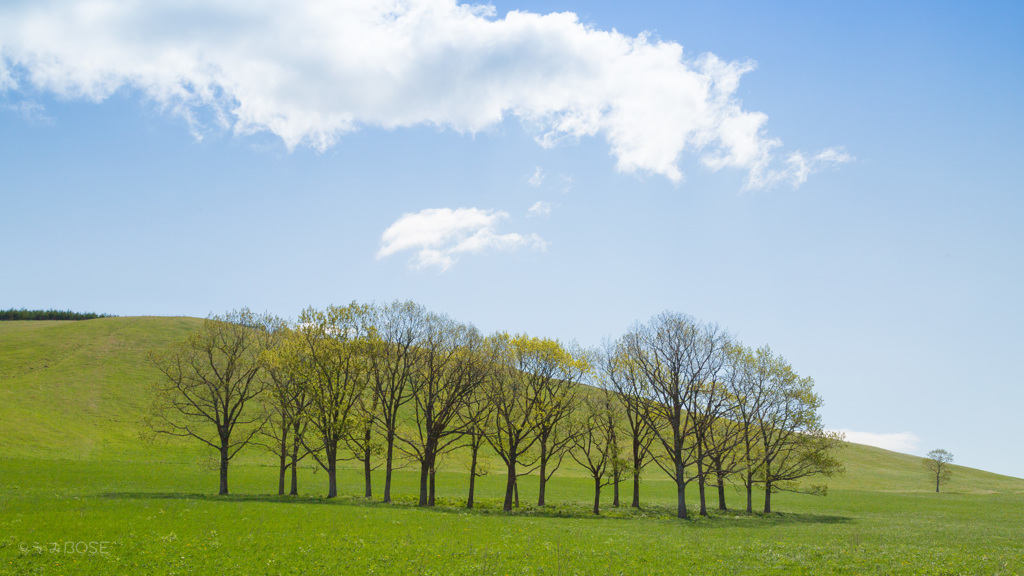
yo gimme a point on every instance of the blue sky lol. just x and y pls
(841, 182)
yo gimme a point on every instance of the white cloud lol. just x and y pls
(537, 178)
(540, 208)
(440, 235)
(905, 442)
(310, 71)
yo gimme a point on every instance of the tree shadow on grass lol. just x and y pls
(493, 507)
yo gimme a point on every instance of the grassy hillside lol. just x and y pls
(78, 390)
(73, 474)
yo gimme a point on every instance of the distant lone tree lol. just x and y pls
(939, 463)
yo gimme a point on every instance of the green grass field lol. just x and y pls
(80, 494)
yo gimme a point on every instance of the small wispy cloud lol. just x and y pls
(440, 235)
(564, 183)
(540, 208)
(537, 178)
(905, 442)
(31, 112)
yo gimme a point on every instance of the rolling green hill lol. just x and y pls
(80, 494)
(79, 390)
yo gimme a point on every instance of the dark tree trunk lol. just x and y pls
(767, 497)
(389, 462)
(636, 488)
(424, 479)
(433, 476)
(680, 490)
(636, 472)
(295, 461)
(597, 496)
(332, 471)
(283, 469)
(367, 476)
(515, 490)
(936, 483)
(721, 493)
(295, 479)
(750, 494)
(223, 468)
(543, 474)
(472, 476)
(427, 471)
(366, 462)
(510, 486)
(615, 486)
(295, 468)
(701, 485)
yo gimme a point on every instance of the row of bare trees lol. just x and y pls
(396, 384)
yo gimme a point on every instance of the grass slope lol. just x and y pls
(73, 475)
(78, 389)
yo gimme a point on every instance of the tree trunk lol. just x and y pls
(295, 460)
(332, 478)
(223, 468)
(283, 469)
(331, 453)
(636, 472)
(424, 479)
(367, 476)
(295, 468)
(680, 490)
(721, 494)
(636, 488)
(597, 496)
(767, 497)
(936, 483)
(472, 478)
(543, 474)
(510, 485)
(750, 495)
(701, 485)
(515, 490)
(389, 462)
(616, 474)
(295, 479)
(433, 476)
(367, 450)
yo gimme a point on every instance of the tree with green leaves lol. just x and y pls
(330, 359)
(793, 443)
(475, 417)
(939, 463)
(394, 332)
(287, 400)
(212, 384)
(556, 399)
(523, 367)
(452, 365)
(361, 439)
(623, 376)
(595, 446)
(675, 355)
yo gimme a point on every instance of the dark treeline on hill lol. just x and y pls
(390, 383)
(23, 314)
